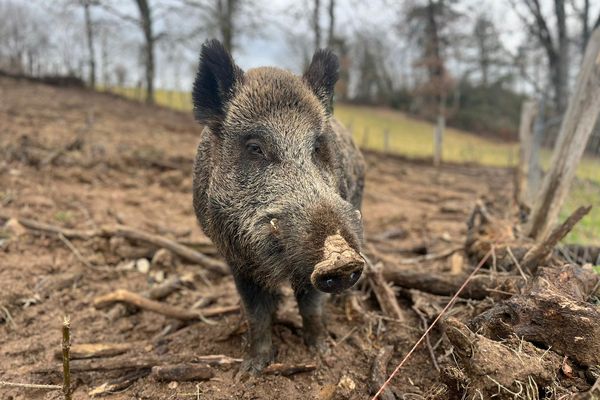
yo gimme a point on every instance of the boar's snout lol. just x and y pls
(340, 268)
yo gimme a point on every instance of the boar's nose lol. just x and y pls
(340, 268)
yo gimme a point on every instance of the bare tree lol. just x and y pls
(556, 49)
(90, 41)
(316, 24)
(488, 48)
(330, 33)
(225, 19)
(150, 39)
(430, 24)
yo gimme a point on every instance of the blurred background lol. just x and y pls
(461, 68)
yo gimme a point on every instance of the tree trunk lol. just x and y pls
(316, 25)
(575, 131)
(90, 43)
(562, 67)
(585, 25)
(226, 13)
(146, 24)
(330, 37)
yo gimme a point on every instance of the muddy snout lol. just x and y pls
(340, 268)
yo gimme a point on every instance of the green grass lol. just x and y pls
(414, 138)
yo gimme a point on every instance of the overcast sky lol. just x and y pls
(283, 25)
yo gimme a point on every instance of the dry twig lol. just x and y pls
(136, 300)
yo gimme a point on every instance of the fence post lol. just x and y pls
(438, 140)
(535, 168)
(575, 130)
(386, 140)
(528, 113)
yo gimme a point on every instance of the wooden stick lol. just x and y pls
(182, 372)
(119, 384)
(378, 373)
(93, 350)
(544, 249)
(384, 293)
(66, 346)
(478, 287)
(122, 363)
(182, 251)
(217, 359)
(157, 292)
(136, 300)
(431, 257)
(129, 362)
(288, 369)
(31, 385)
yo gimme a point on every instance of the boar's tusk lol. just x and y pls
(274, 226)
(338, 257)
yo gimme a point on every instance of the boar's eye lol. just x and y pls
(254, 149)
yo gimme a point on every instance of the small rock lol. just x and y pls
(173, 385)
(346, 383)
(14, 227)
(142, 265)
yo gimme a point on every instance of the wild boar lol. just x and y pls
(277, 186)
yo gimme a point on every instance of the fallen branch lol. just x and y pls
(384, 293)
(119, 384)
(30, 385)
(431, 257)
(478, 288)
(288, 369)
(182, 251)
(182, 372)
(94, 350)
(378, 373)
(217, 359)
(157, 292)
(541, 251)
(136, 300)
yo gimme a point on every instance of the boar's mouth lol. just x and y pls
(340, 267)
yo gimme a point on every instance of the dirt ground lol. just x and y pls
(131, 164)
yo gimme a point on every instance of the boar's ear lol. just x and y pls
(321, 76)
(215, 84)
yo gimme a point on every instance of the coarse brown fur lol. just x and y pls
(271, 151)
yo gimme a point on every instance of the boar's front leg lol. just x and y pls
(260, 305)
(310, 306)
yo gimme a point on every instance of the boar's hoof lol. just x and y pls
(340, 268)
(254, 365)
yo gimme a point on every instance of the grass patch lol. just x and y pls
(414, 138)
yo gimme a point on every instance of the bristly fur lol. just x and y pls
(214, 84)
(321, 76)
(309, 175)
